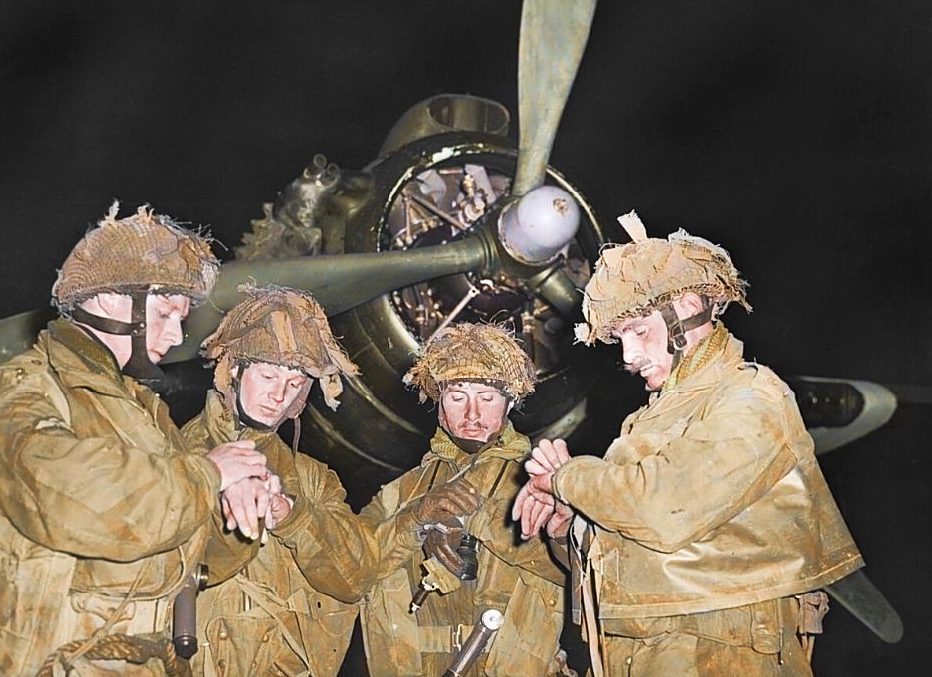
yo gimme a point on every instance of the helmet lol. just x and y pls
(647, 274)
(280, 326)
(140, 253)
(484, 353)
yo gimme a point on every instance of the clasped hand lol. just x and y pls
(248, 490)
(535, 505)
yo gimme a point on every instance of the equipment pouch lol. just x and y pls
(812, 609)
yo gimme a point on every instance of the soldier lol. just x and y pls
(700, 534)
(102, 509)
(476, 374)
(290, 611)
(287, 612)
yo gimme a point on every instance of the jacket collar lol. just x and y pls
(509, 445)
(723, 355)
(222, 426)
(82, 361)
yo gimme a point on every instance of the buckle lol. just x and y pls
(456, 635)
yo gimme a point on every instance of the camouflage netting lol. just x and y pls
(142, 252)
(482, 353)
(636, 278)
(279, 326)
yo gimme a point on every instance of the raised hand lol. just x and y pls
(244, 502)
(237, 461)
(447, 502)
(280, 505)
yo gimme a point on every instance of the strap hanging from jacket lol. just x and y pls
(273, 605)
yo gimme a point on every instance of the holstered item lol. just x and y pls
(812, 609)
(489, 623)
(184, 613)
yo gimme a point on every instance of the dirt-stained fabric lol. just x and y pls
(103, 510)
(518, 578)
(136, 253)
(690, 655)
(710, 499)
(473, 352)
(291, 610)
(681, 263)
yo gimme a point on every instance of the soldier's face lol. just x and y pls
(164, 315)
(644, 348)
(267, 391)
(472, 411)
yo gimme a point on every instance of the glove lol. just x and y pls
(441, 542)
(447, 504)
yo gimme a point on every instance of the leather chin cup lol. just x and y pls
(139, 366)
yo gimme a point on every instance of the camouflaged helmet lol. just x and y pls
(140, 253)
(647, 274)
(280, 326)
(483, 353)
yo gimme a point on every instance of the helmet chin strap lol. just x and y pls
(139, 366)
(677, 328)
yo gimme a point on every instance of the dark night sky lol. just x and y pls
(795, 133)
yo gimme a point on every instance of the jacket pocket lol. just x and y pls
(389, 632)
(529, 638)
(326, 627)
(33, 595)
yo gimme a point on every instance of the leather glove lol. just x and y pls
(441, 542)
(444, 503)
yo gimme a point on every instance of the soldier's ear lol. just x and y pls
(690, 304)
(109, 303)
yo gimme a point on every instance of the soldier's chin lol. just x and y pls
(654, 383)
(477, 435)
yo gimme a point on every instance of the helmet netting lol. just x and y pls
(145, 252)
(284, 327)
(483, 353)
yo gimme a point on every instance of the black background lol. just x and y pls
(797, 134)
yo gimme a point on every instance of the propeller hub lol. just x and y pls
(537, 228)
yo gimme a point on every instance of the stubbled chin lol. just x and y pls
(479, 436)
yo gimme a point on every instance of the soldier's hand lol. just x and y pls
(237, 461)
(547, 456)
(559, 523)
(442, 543)
(243, 504)
(279, 505)
(533, 509)
(446, 502)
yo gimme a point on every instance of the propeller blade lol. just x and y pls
(553, 37)
(839, 411)
(858, 595)
(338, 281)
(555, 286)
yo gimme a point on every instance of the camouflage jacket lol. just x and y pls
(291, 609)
(102, 509)
(711, 498)
(518, 578)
